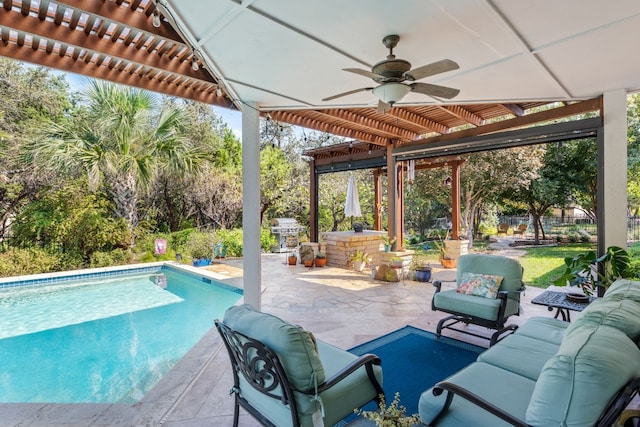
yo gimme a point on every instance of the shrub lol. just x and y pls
(114, 257)
(267, 239)
(232, 241)
(18, 262)
(200, 245)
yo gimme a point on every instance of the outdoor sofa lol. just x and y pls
(550, 372)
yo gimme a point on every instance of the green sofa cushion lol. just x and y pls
(622, 314)
(520, 354)
(544, 329)
(295, 347)
(500, 387)
(624, 288)
(576, 385)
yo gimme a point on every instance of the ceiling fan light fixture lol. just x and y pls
(391, 92)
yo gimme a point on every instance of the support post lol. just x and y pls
(377, 199)
(612, 172)
(313, 201)
(455, 200)
(251, 266)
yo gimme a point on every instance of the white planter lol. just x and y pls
(358, 265)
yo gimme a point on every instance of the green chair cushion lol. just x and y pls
(576, 385)
(350, 393)
(484, 308)
(295, 347)
(509, 269)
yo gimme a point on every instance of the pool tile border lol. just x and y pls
(68, 276)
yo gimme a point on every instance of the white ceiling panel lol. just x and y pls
(290, 54)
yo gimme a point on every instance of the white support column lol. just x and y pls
(251, 206)
(612, 172)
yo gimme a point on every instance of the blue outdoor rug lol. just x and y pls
(413, 360)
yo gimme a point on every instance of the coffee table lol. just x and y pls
(559, 301)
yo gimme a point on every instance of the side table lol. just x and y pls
(558, 300)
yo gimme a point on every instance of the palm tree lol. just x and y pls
(122, 144)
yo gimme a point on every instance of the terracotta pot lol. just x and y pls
(448, 263)
(292, 260)
(308, 263)
(321, 262)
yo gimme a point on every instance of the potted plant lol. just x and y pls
(421, 271)
(199, 246)
(395, 262)
(593, 273)
(359, 259)
(392, 415)
(292, 259)
(321, 259)
(387, 242)
(446, 260)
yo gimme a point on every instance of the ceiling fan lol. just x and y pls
(392, 72)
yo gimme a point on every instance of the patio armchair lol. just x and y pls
(522, 228)
(503, 228)
(283, 376)
(488, 289)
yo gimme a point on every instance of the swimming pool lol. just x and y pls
(104, 339)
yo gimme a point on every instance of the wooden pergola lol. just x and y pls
(373, 154)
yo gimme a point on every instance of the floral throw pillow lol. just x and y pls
(482, 285)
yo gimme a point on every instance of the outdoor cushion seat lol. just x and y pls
(283, 376)
(520, 354)
(546, 329)
(481, 310)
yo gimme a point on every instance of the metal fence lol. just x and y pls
(555, 225)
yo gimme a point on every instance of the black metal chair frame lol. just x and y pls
(456, 317)
(261, 368)
(607, 418)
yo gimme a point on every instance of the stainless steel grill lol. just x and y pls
(286, 231)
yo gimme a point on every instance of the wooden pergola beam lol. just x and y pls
(296, 119)
(390, 131)
(66, 63)
(410, 117)
(589, 105)
(80, 40)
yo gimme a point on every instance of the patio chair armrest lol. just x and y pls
(438, 284)
(453, 390)
(366, 360)
(505, 294)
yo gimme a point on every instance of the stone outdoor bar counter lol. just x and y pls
(340, 244)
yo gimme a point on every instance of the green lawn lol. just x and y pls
(542, 265)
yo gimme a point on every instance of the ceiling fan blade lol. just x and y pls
(432, 69)
(383, 107)
(347, 93)
(363, 73)
(434, 90)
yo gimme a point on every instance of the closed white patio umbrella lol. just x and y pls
(352, 204)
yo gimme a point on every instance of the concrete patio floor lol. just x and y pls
(342, 307)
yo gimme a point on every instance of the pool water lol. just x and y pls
(106, 342)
